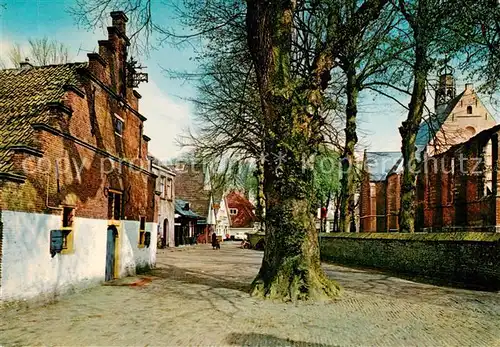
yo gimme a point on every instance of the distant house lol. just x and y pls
(165, 191)
(193, 186)
(223, 219)
(242, 214)
(186, 223)
(458, 118)
(76, 193)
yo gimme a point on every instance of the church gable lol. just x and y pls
(464, 117)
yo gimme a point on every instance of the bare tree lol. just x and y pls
(40, 51)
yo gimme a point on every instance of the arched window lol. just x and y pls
(469, 109)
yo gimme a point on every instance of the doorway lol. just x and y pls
(165, 240)
(112, 233)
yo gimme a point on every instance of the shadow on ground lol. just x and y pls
(253, 339)
(190, 276)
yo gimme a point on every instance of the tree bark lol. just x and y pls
(351, 139)
(291, 268)
(260, 210)
(408, 131)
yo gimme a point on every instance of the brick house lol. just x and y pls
(193, 187)
(458, 118)
(165, 190)
(241, 212)
(459, 188)
(77, 202)
(379, 193)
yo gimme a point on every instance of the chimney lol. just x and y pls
(119, 21)
(25, 65)
(469, 86)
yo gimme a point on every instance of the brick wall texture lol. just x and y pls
(83, 157)
(456, 190)
(469, 259)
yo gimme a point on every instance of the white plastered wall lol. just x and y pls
(29, 271)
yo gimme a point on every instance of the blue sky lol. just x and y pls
(169, 115)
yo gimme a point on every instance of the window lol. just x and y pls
(451, 178)
(469, 109)
(119, 124)
(488, 168)
(67, 229)
(142, 232)
(170, 185)
(233, 211)
(114, 205)
(162, 186)
(373, 190)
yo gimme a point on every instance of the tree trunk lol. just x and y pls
(291, 268)
(328, 201)
(260, 208)
(336, 227)
(408, 131)
(348, 160)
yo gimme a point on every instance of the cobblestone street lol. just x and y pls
(199, 296)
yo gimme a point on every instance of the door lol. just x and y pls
(165, 234)
(110, 253)
(178, 235)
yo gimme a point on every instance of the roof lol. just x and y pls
(245, 217)
(190, 186)
(158, 163)
(380, 164)
(25, 95)
(180, 206)
(429, 127)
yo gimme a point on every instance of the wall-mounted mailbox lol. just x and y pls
(56, 242)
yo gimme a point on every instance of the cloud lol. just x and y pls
(167, 119)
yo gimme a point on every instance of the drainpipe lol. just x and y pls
(47, 197)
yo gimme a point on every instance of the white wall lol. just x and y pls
(223, 219)
(166, 211)
(28, 270)
(131, 256)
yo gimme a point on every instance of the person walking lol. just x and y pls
(215, 242)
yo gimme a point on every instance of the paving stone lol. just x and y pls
(201, 297)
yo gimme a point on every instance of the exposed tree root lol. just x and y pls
(295, 283)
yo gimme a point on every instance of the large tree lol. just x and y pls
(292, 86)
(426, 31)
(364, 60)
(477, 40)
(292, 109)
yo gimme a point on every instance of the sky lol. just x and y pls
(164, 102)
